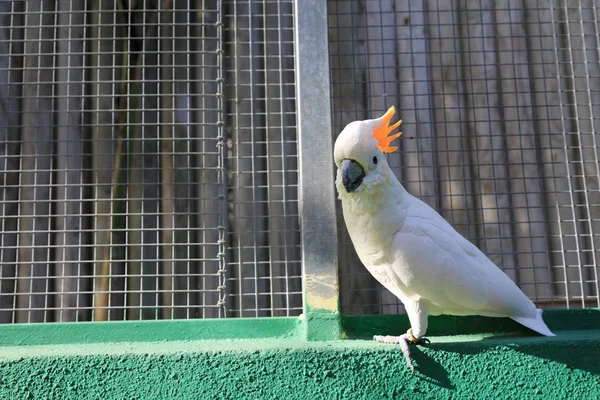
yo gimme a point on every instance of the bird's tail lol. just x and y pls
(536, 324)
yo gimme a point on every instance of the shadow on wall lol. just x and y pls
(576, 352)
(512, 355)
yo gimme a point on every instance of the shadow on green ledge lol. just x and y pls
(576, 346)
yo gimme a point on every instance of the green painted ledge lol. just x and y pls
(484, 358)
(148, 331)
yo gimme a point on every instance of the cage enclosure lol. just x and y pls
(173, 159)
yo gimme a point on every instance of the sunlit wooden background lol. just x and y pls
(149, 150)
(500, 102)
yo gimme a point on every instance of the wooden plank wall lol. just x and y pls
(149, 160)
(498, 100)
(119, 143)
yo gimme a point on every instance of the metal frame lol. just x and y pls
(316, 192)
(321, 319)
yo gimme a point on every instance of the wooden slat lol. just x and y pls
(282, 161)
(382, 92)
(248, 216)
(488, 155)
(150, 154)
(581, 28)
(450, 115)
(348, 65)
(107, 149)
(183, 164)
(70, 255)
(134, 221)
(36, 164)
(381, 49)
(11, 76)
(500, 113)
(418, 151)
(529, 228)
(137, 264)
(206, 159)
(167, 265)
(548, 85)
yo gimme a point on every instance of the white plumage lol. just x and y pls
(409, 248)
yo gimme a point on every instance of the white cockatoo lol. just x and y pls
(411, 249)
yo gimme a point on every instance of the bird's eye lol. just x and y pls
(374, 159)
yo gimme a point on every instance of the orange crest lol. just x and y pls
(381, 132)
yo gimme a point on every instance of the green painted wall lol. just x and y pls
(531, 368)
(502, 363)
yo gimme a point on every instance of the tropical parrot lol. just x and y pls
(410, 248)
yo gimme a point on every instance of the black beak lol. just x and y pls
(352, 175)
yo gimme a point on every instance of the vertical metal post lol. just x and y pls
(221, 167)
(316, 186)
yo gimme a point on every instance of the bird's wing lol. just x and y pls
(436, 263)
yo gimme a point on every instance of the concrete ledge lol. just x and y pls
(466, 366)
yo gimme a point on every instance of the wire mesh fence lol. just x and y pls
(149, 161)
(500, 102)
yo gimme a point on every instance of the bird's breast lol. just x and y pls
(371, 238)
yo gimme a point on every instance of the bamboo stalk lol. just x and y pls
(149, 66)
(101, 294)
(134, 238)
(130, 73)
(144, 264)
(107, 205)
(135, 193)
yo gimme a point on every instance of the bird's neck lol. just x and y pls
(374, 214)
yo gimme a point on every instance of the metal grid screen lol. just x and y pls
(501, 108)
(148, 160)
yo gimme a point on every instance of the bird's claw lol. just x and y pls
(422, 341)
(403, 340)
(407, 337)
(413, 340)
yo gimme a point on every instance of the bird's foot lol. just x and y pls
(403, 341)
(421, 341)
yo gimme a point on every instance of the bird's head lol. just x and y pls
(359, 152)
